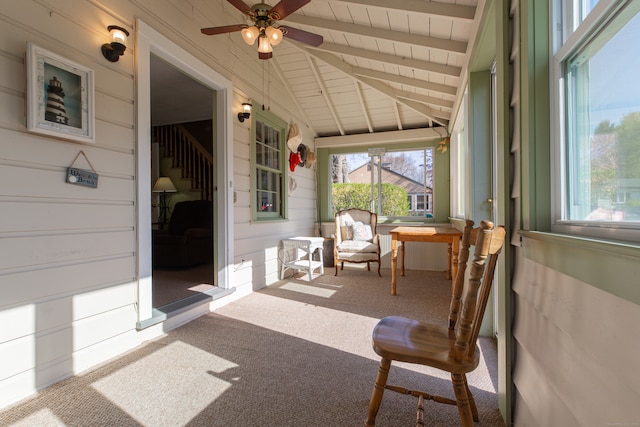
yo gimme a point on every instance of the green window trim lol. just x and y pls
(269, 166)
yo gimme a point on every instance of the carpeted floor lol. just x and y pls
(173, 284)
(293, 354)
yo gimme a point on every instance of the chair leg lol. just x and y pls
(335, 262)
(472, 402)
(379, 269)
(368, 266)
(462, 399)
(378, 390)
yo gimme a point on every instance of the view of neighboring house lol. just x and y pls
(416, 191)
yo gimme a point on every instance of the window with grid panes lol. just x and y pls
(269, 192)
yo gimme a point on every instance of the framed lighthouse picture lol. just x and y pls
(60, 96)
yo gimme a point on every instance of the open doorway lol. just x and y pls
(149, 43)
(182, 175)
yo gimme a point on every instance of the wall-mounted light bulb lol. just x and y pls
(118, 35)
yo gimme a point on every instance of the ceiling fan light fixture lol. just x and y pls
(274, 35)
(263, 44)
(262, 24)
(250, 34)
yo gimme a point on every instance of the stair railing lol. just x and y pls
(195, 162)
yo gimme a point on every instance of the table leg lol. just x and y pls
(394, 264)
(449, 260)
(404, 244)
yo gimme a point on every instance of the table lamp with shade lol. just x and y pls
(164, 186)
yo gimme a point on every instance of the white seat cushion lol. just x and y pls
(357, 246)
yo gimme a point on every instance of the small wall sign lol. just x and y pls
(87, 178)
(82, 177)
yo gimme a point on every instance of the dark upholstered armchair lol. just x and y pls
(189, 238)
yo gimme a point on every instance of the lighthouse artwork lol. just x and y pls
(55, 111)
(60, 96)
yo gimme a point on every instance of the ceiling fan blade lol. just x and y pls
(302, 36)
(211, 31)
(285, 8)
(241, 6)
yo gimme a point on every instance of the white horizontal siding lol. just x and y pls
(28, 286)
(39, 317)
(575, 345)
(67, 252)
(68, 264)
(50, 250)
(39, 215)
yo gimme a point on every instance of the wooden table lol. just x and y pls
(438, 234)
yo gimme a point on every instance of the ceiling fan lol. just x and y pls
(265, 28)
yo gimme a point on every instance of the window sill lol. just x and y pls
(611, 266)
(409, 221)
(617, 247)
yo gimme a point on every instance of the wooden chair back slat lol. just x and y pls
(469, 297)
(458, 283)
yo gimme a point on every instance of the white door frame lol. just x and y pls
(150, 41)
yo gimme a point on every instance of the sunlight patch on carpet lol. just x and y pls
(201, 288)
(43, 417)
(482, 376)
(307, 289)
(310, 322)
(170, 397)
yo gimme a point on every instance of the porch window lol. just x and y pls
(390, 183)
(458, 162)
(598, 136)
(268, 189)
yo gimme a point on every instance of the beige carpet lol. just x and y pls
(293, 354)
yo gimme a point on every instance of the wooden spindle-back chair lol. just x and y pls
(451, 347)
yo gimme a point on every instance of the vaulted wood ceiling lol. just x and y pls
(384, 65)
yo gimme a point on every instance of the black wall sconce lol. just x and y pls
(246, 112)
(114, 50)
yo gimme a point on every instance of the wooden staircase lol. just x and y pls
(187, 155)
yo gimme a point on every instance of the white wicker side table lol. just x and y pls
(297, 254)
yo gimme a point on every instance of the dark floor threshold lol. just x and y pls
(170, 310)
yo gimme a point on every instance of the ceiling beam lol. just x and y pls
(451, 46)
(386, 58)
(409, 81)
(448, 10)
(396, 112)
(325, 93)
(425, 99)
(390, 137)
(365, 112)
(287, 87)
(437, 116)
(334, 61)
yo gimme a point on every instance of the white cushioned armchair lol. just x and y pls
(356, 239)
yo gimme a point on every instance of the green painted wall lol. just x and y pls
(480, 154)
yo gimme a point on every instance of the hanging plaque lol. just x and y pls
(87, 178)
